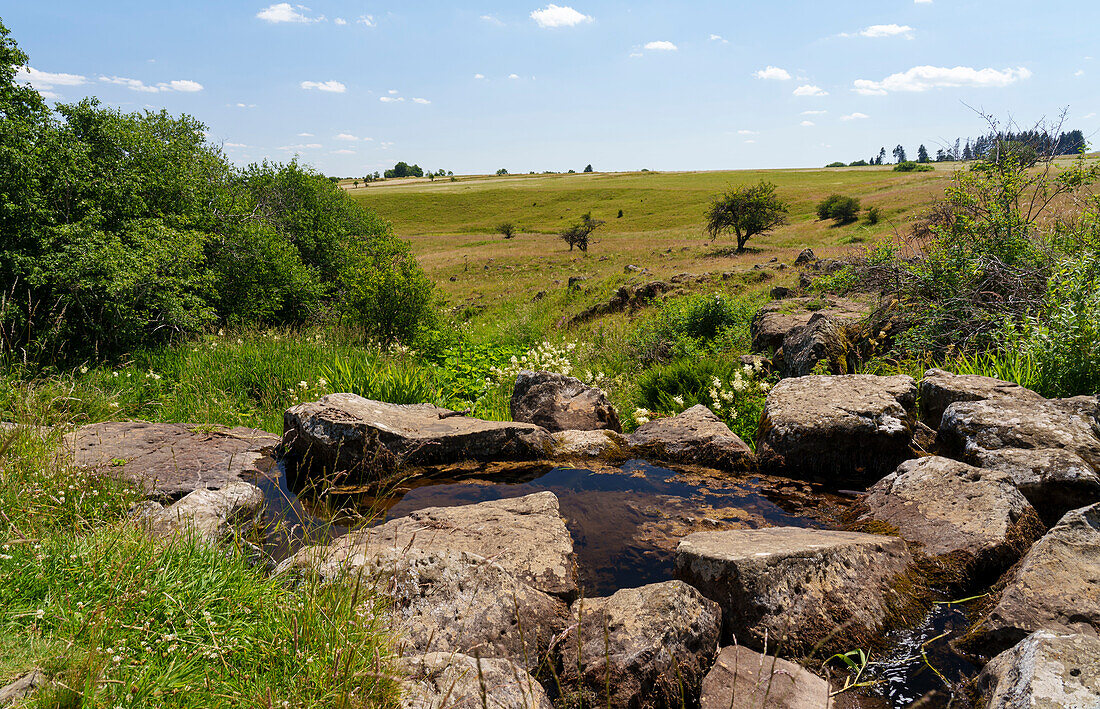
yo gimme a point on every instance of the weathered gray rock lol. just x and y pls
(822, 339)
(805, 256)
(170, 460)
(603, 445)
(771, 324)
(796, 587)
(1056, 587)
(977, 518)
(655, 642)
(1053, 480)
(695, 436)
(443, 680)
(21, 688)
(560, 403)
(939, 389)
(207, 514)
(743, 679)
(968, 428)
(524, 535)
(447, 601)
(844, 430)
(1044, 671)
(345, 434)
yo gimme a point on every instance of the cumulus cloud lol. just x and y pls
(492, 20)
(923, 2)
(285, 12)
(1079, 72)
(367, 20)
(342, 151)
(661, 46)
(390, 99)
(924, 78)
(557, 16)
(45, 80)
(245, 105)
(422, 101)
(305, 135)
(745, 131)
(750, 141)
(719, 38)
(813, 113)
(854, 116)
(513, 76)
(339, 21)
(806, 124)
(479, 76)
(184, 85)
(810, 90)
(772, 72)
(891, 30)
(330, 86)
(235, 145)
(181, 85)
(346, 136)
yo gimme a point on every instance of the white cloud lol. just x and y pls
(339, 21)
(745, 131)
(245, 105)
(421, 101)
(305, 135)
(890, 30)
(47, 80)
(513, 76)
(346, 136)
(772, 72)
(923, 2)
(184, 85)
(555, 16)
(479, 76)
(813, 113)
(334, 87)
(367, 20)
(285, 12)
(719, 38)
(750, 141)
(810, 90)
(806, 124)
(307, 146)
(492, 20)
(854, 116)
(235, 145)
(635, 55)
(342, 151)
(661, 46)
(1079, 72)
(181, 85)
(390, 99)
(923, 78)
(1090, 115)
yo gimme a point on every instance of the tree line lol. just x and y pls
(984, 147)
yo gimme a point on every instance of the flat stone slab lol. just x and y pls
(601, 445)
(939, 389)
(349, 436)
(796, 588)
(446, 680)
(743, 679)
(951, 509)
(1053, 480)
(846, 430)
(170, 460)
(560, 403)
(1045, 671)
(694, 437)
(1055, 587)
(654, 642)
(524, 535)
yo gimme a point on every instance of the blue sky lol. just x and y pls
(354, 86)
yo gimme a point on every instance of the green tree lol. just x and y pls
(922, 154)
(579, 234)
(746, 212)
(588, 168)
(841, 209)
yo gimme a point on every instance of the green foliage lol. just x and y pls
(858, 163)
(588, 168)
(502, 172)
(506, 229)
(403, 169)
(578, 234)
(910, 166)
(872, 216)
(746, 211)
(683, 327)
(840, 281)
(836, 164)
(841, 209)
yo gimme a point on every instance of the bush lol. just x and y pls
(691, 324)
(841, 209)
(578, 234)
(858, 163)
(910, 166)
(506, 229)
(872, 216)
(836, 164)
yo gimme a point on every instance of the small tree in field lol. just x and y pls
(746, 211)
(577, 234)
(506, 229)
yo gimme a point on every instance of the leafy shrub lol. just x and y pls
(836, 164)
(506, 229)
(839, 281)
(910, 166)
(745, 212)
(579, 234)
(872, 216)
(858, 163)
(841, 209)
(684, 326)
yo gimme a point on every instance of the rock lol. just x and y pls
(940, 389)
(796, 588)
(170, 460)
(975, 520)
(625, 299)
(1054, 481)
(969, 427)
(805, 256)
(654, 643)
(1046, 671)
(454, 601)
(604, 445)
(1055, 587)
(21, 688)
(771, 324)
(759, 363)
(743, 679)
(209, 515)
(631, 268)
(347, 435)
(575, 282)
(822, 339)
(695, 436)
(780, 292)
(844, 430)
(560, 403)
(444, 680)
(524, 535)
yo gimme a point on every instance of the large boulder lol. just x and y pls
(170, 460)
(560, 403)
(1055, 587)
(743, 679)
(773, 322)
(603, 445)
(1053, 480)
(822, 339)
(974, 520)
(347, 435)
(795, 588)
(524, 535)
(1044, 671)
(651, 645)
(206, 514)
(448, 601)
(447, 680)
(843, 430)
(939, 389)
(695, 437)
(968, 428)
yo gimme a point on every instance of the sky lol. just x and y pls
(351, 87)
